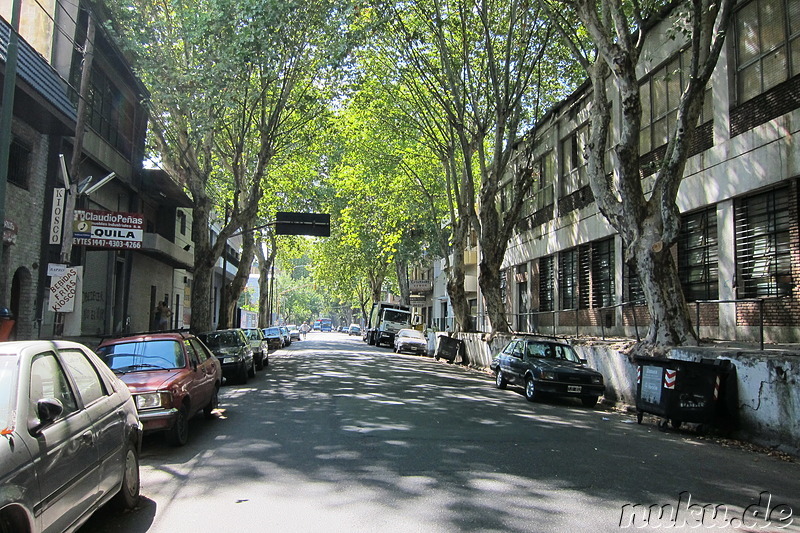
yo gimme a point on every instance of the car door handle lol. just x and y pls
(88, 438)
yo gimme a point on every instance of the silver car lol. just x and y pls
(69, 437)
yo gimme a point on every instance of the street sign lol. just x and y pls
(314, 224)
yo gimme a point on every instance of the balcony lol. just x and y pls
(167, 251)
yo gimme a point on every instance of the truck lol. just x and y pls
(385, 320)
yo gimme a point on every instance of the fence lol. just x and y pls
(533, 322)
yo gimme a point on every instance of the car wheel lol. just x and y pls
(213, 403)
(179, 434)
(589, 401)
(531, 394)
(251, 372)
(500, 380)
(260, 365)
(266, 359)
(128, 495)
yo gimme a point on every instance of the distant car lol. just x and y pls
(294, 333)
(410, 340)
(259, 346)
(172, 376)
(546, 366)
(287, 339)
(354, 329)
(233, 350)
(274, 337)
(71, 437)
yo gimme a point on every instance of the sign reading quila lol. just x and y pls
(108, 229)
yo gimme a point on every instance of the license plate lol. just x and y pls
(573, 388)
(232, 360)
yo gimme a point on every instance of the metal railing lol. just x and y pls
(531, 320)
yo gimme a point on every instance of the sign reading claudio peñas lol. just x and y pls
(108, 229)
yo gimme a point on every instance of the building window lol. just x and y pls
(19, 164)
(182, 222)
(568, 278)
(573, 162)
(697, 255)
(767, 46)
(660, 95)
(763, 251)
(603, 273)
(541, 193)
(522, 297)
(546, 284)
(632, 285)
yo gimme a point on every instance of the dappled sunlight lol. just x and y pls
(342, 432)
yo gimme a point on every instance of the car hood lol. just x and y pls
(559, 365)
(412, 340)
(149, 380)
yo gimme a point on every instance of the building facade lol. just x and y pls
(738, 253)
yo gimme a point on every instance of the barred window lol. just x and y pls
(698, 267)
(546, 284)
(632, 285)
(660, 95)
(568, 278)
(763, 252)
(767, 45)
(523, 300)
(19, 164)
(603, 273)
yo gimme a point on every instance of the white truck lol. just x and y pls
(385, 320)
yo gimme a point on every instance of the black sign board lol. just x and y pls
(314, 224)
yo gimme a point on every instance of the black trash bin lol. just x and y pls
(448, 348)
(685, 391)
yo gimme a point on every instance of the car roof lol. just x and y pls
(148, 336)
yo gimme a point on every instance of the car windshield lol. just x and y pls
(143, 355)
(221, 339)
(552, 351)
(396, 316)
(253, 334)
(275, 332)
(8, 388)
(413, 333)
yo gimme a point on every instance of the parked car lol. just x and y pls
(233, 350)
(259, 345)
(287, 339)
(172, 377)
(545, 366)
(71, 437)
(410, 340)
(354, 329)
(274, 337)
(294, 333)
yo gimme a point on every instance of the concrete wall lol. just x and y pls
(767, 382)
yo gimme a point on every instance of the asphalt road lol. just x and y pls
(337, 436)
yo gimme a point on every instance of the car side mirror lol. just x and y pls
(584, 361)
(47, 411)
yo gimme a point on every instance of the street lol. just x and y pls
(336, 435)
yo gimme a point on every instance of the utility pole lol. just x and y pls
(77, 148)
(6, 117)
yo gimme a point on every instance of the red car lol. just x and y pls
(172, 377)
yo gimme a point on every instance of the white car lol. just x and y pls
(71, 437)
(410, 340)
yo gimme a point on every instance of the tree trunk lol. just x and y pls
(401, 267)
(670, 324)
(204, 260)
(264, 269)
(455, 280)
(237, 284)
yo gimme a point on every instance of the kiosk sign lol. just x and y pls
(64, 290)
(108, 229)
